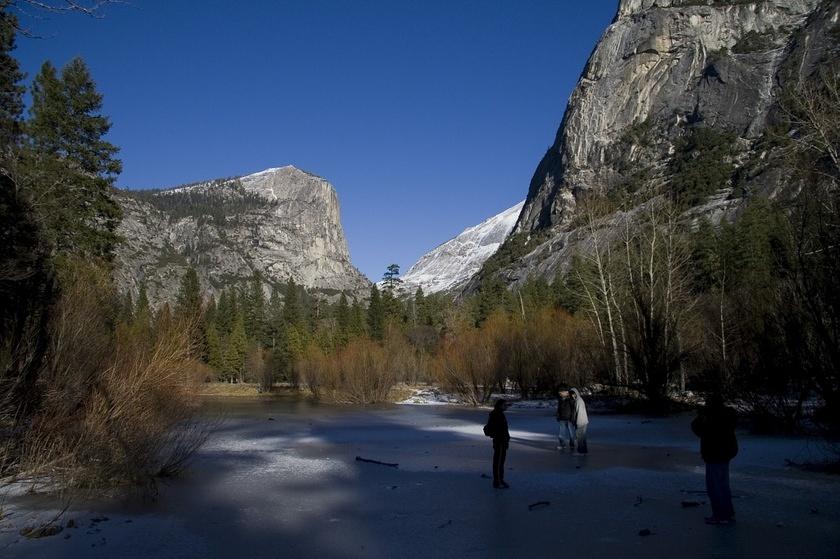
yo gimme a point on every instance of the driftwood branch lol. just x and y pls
(369, 461)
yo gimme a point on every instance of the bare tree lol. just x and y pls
(596, 280)
(658, 296)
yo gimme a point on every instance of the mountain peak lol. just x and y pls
(454, 262)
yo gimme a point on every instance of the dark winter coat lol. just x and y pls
(498, 426)
(716, 429)
(564, 409)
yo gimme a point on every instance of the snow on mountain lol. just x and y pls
(454, 262)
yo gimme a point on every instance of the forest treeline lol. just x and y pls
(655, 300)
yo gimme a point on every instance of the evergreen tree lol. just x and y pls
(213, 345)
(393, 308)
(142, 311)
(391, 279)
(11, 92)
(255, 318)
(566, 288)
(189, 295)
(375, 314)
(210, 312)
(66, 120)
(420, 314)
(292, 315)
(357, 320)
(701, 164)
(234, 309)
(492, 295)
(274, 319)
(71, 168)
(237, 349)
(342, 321)
(224, 316)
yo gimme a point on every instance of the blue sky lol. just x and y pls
(427, 116)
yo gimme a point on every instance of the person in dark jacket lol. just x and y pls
(715, 425)
(565, 407)
(497, 426)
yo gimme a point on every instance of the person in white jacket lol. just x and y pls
(580, 420)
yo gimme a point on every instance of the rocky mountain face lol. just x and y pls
(450, 265)
(660, 70)
(282, 222)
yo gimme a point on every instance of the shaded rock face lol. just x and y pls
(661, 67)
(282, 222)
(450, 265)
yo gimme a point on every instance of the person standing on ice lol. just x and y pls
(497, 427)
(565, 408)
(715, 425)
(580, 420)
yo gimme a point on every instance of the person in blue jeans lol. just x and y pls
(715, 425)
(565, 410)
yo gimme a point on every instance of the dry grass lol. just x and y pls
(227, 389)
(400, 392)
(117, 406)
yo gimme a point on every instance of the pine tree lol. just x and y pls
(256, 312)
(71, 168)
(274, 319)
(391, 278)
(224, 317)
(567, 291)
(188, 303)
(375, 314)
(237, 349)
(292, 315)
(357, 320)
(66, 120)
(48, 113)
(210, 311)
(419, 311)
(142, 311)
(213, 345)
(342, 321)
(11, 92)
(393, 308)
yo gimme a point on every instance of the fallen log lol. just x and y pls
(369, 461)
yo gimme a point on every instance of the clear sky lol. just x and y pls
(427, 116)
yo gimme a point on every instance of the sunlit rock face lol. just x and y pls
(663, 65)
(661, 69)
(282, 222)
(448, 266)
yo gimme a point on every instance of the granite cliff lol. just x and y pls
(282, 222)
(663, 69)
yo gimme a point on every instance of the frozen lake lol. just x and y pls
(290, 487)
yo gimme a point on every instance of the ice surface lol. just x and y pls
(291, 488)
